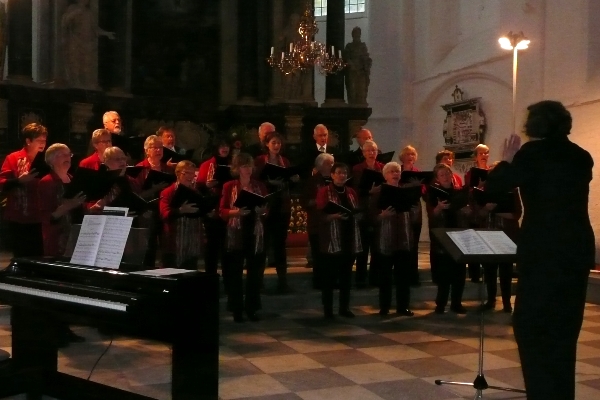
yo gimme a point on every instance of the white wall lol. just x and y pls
(443, 43)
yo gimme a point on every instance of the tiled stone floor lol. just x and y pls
(293, 353)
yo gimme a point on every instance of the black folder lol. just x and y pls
(456, 198)
(272, 171)
(334, 208)
(505, 201)
(133, 201)
(425, 177)
(39, 163)
(222, 174)
(156, 177)
(133, 171)
(205, 204)
(94, 184)
(401, 198)
(369, 178)
(173, 156)
(250, 200)
(385, 157)
(477, 175)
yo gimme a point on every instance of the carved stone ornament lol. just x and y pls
(81, 113)
(464, 126)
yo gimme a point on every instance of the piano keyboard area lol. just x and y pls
(112, 305)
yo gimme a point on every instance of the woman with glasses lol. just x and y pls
(370, 151)
(101, 140)
(244, 240)
(339, 240)
(57, 212)
(182, 228)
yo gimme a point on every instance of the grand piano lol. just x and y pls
(45, 294)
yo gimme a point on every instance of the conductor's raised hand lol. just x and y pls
(332, 217)
(441, 205)
(295, 178)
(240, 212)
(171, 164)
(511, 145)
(490, 206)
(187, 208)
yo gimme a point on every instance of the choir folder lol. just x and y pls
(400, 198)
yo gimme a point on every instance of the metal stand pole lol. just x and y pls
(480, 384)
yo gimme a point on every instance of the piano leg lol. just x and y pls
(34, 348)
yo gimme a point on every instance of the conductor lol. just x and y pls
(556, 249)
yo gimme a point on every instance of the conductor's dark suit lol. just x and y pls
(554, 256)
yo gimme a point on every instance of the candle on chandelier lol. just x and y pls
(272, 51)
(291, 47)
(340, 53)
(333, 50)
(282, 55)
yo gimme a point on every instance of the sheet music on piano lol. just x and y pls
(101, 241)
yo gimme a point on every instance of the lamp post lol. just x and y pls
(515, 42)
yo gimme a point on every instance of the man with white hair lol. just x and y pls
(257, 149)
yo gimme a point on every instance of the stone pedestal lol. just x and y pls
(334, 83)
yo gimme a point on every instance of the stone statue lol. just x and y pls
(358, 69)
(79, 39)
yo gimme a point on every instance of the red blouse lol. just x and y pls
(91, 162)
(22, 201)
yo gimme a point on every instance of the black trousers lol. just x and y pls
(366, 275)
(548, 315)
(26, 239)
(414, 255)
(234, 267)
(215, 230)
(490, 274)
(276, 231)
(395, 267)
(449, 274)
(336, 267)
(317, 260)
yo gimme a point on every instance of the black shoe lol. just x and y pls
(253, 317)
(405, 312)
(507, 309)
(475, 280)
(490, 305)
(384, 311)
(440, 310)
(346, 313)
(238, 317)
(72, 337)
(460, 309)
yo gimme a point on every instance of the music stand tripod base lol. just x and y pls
(480, 384)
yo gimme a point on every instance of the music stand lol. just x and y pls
(440, 234)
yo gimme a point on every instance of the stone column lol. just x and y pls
(19, 41)
(334, 83)
(247, 51)
(229, 52)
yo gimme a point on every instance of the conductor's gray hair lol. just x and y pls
(321, 158)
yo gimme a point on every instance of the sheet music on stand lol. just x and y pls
(101, 241)
(471, 241)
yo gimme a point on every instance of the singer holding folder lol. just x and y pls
(366, 186)
(182, 234)
(278, 220)
(244, 240)
(446, 272)
(19, 182)
(393, 238)
(556, 247)
(57, 212)
(210, 180)
(339, 239)
(101, 140)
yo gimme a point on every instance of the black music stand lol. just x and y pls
(440, 234)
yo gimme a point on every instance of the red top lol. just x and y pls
(91, 162)
(22, 201)
(138, 182)
(309, 201)
(54, 231)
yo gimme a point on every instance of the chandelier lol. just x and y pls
(305, 53)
